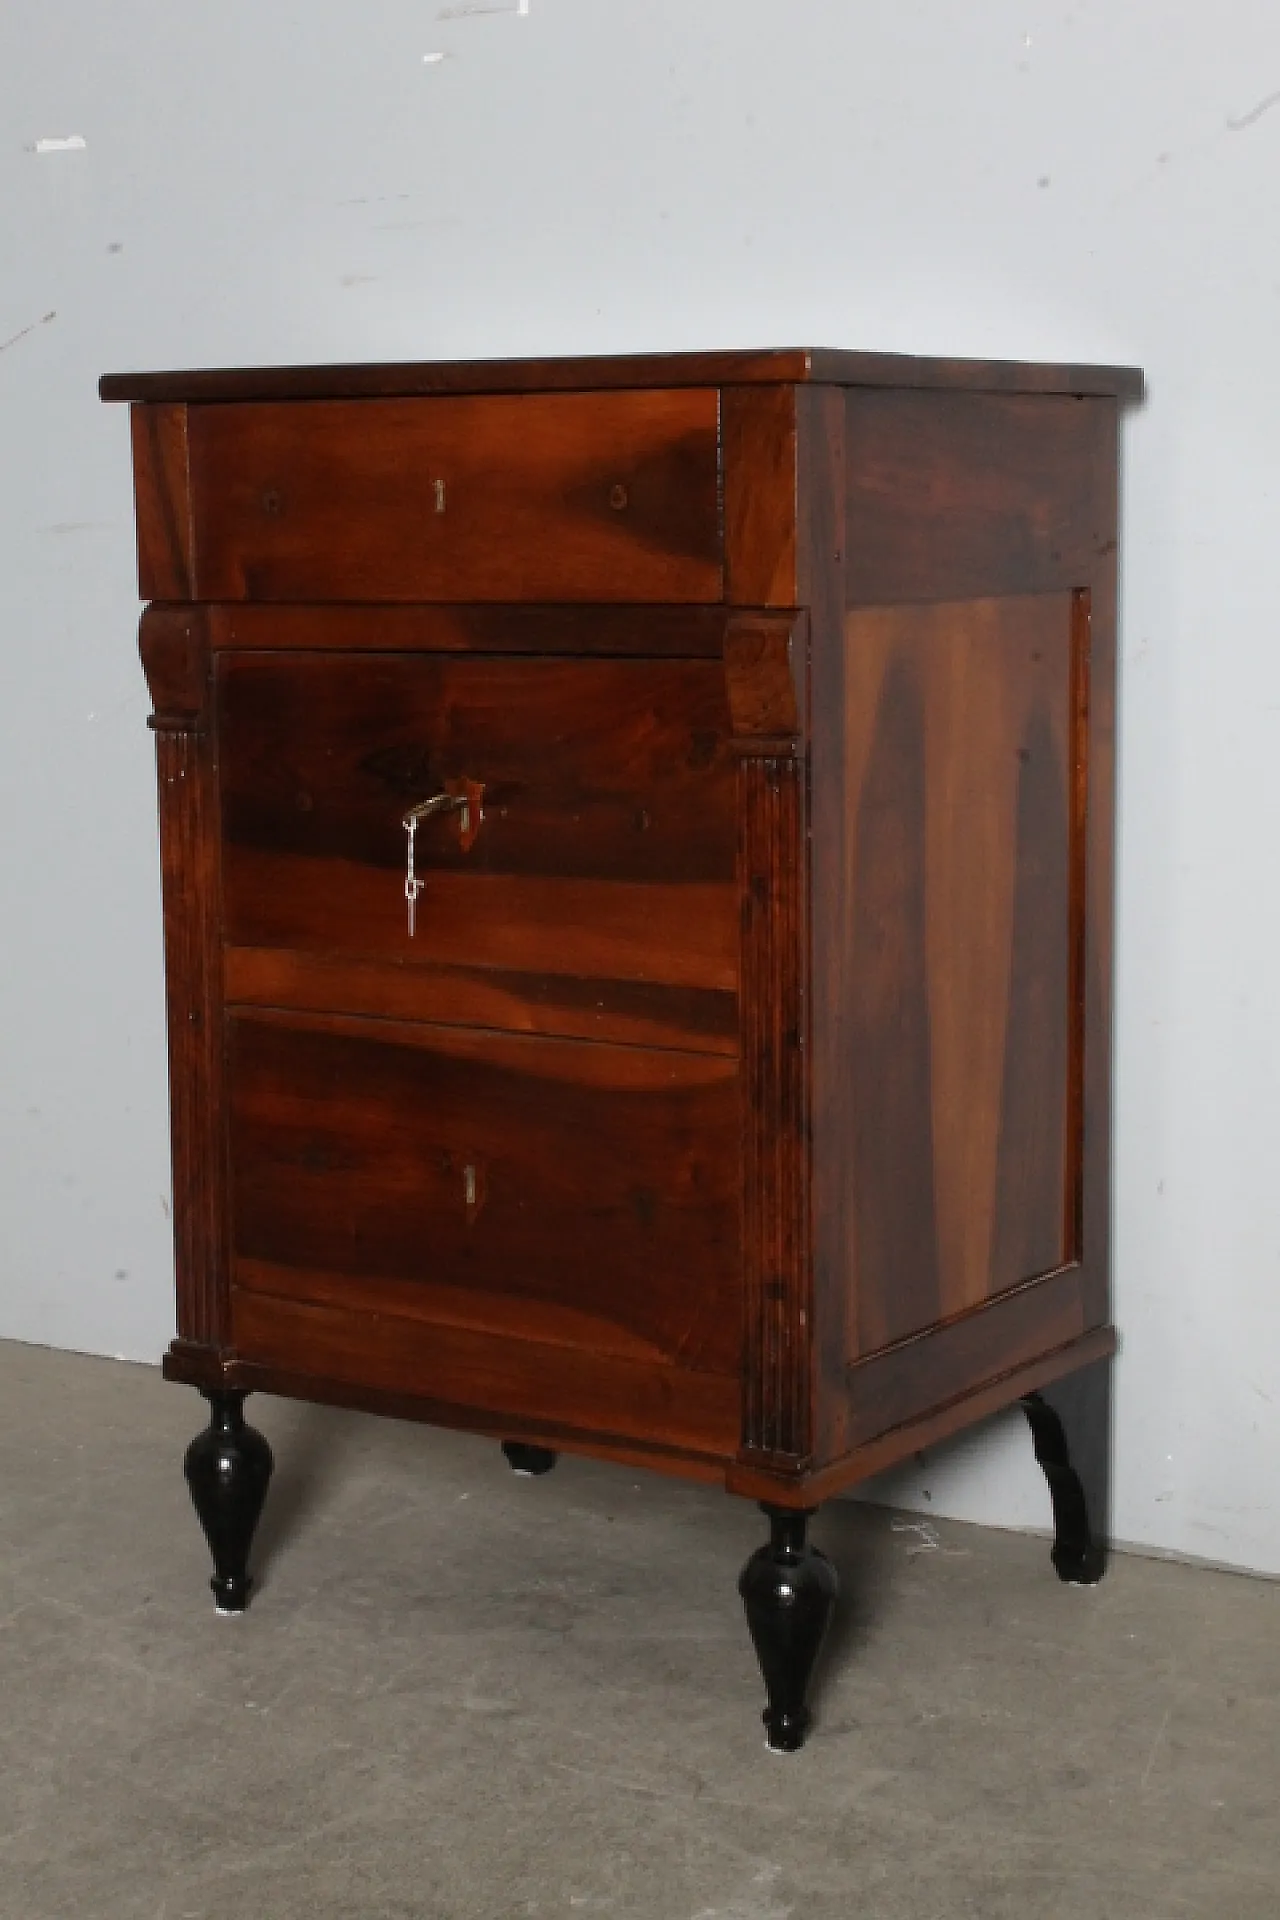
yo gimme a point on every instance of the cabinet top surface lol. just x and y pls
(776, 366)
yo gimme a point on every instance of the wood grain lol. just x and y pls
(198, 1367)
(162, 495)
(978, 1401)
(957, 897)
(535, 497)
(1094, 959)
(179, 674)
(626, 1012)
(606, 849)
(961, 1131)
(568, 1194)
(958, 496)
(610, 371)
(766, 677)
(742, 1103)
(501, 1378)
(775, 1139)
(823, 467)
(644, 632)
(905, 1381)
(761, 529)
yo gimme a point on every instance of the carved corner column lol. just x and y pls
(176, 656)
(766, 667)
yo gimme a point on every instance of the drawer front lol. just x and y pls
(595, 874)
(596, 496)
(550, 1193)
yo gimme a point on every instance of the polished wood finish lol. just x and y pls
(572, 1006)
(645, 632)
(447, 1183)
(228, 1470)
(945, 1418)
(1007, 496)
(162, 494)
(565, 496)
(565, 1390)
(740, 1101)
(179, 670)
(604, 849)
(789, 1591)
(961, 771)
(789, 366)
(957, 922)
(895, 1386)
(775, 1188)
(762, 532)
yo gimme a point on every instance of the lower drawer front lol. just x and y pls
(501, 1221)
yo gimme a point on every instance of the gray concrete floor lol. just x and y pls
(460, 1694)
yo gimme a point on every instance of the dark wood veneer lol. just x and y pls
(740, 1101)
(600, 372)
(439, 1174)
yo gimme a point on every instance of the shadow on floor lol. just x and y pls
(858, 1542)
(311, 1460)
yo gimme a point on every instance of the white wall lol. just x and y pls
(1090, 179)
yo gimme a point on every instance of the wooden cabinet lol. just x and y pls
(735, 1097)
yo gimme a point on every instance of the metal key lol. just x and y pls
(412, 884)
(438, 803)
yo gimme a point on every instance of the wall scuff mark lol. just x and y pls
(73, 143)
(467, 8)
(1247, 119)
(43, 321)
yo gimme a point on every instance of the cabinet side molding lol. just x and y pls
(766, 666)
(176, 657)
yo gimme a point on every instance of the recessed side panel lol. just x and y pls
(956, 1052)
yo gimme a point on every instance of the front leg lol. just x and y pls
(789, 1590)
(228, 1468)
(1071, 1432)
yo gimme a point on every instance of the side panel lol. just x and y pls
(956, 918)
(962, 810)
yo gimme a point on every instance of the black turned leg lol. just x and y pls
(228, 1467)
(1071, 1431)
(525, 1459)
(788, 1589)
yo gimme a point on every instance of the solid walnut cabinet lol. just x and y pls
(732, 1095)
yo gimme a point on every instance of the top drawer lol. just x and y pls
(505, 497)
